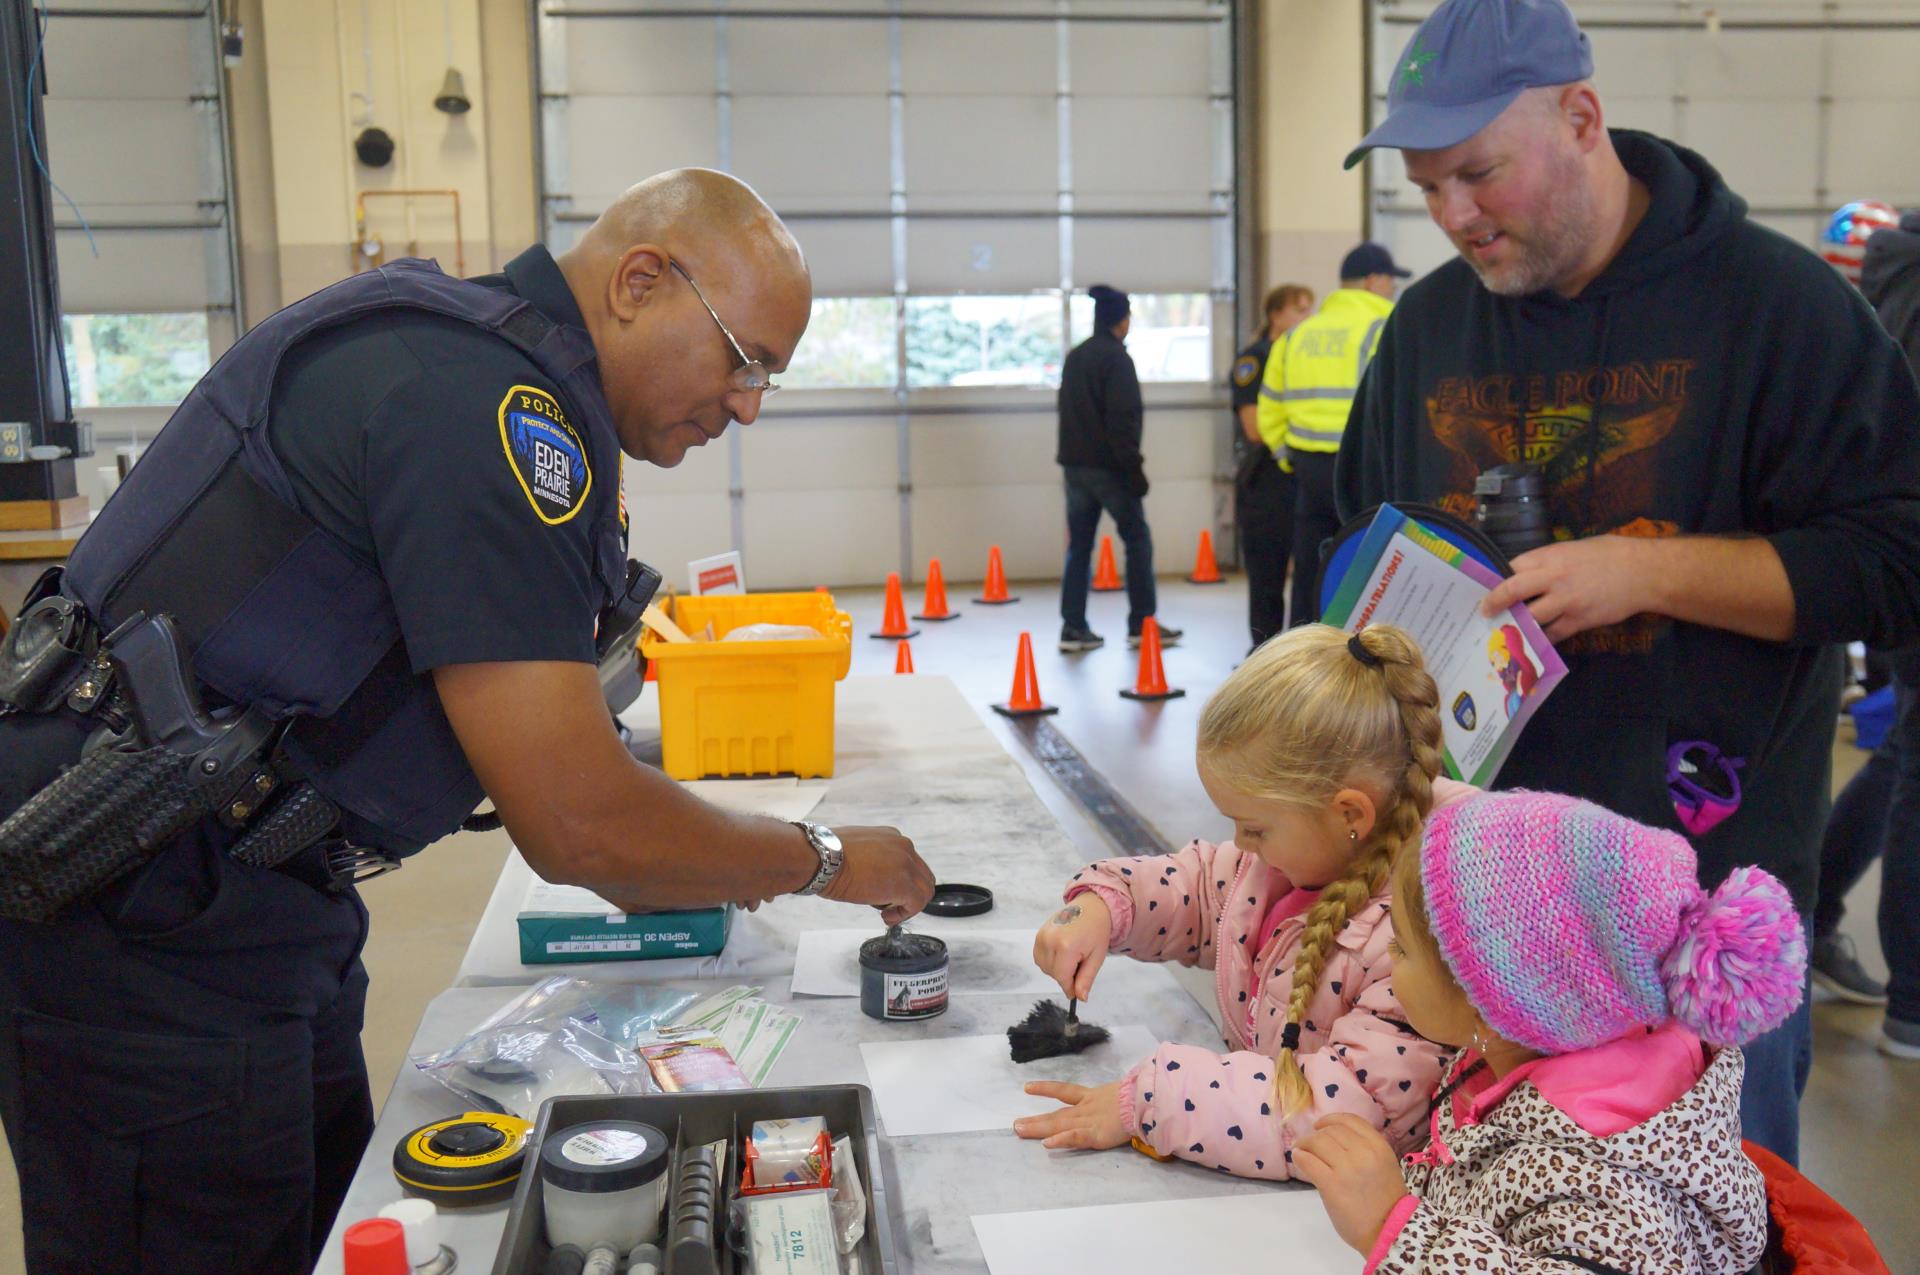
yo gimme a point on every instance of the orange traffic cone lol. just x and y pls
(1205, 569)
(1151, 684)
(935, 607)
(995, 593)
(903, 662)
(1106, 577)
(1025, 700)
(894, 623)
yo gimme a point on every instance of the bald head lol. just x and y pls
(639, 274)
(698, 210)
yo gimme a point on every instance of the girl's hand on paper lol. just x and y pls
(1358, 1175)
(1577, 585)
(1072, 944)
(1089, 1122)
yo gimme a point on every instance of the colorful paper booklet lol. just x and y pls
(1493, 673)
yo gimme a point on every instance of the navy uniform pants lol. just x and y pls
(180, 1070)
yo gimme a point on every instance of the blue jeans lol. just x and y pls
(1088, 492)
(1879, 813)
(1777, 1067)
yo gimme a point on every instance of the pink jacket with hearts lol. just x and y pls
(1202, 906)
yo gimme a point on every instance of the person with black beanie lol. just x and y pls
(1100, 427)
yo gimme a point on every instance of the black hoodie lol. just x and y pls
(1719, 379)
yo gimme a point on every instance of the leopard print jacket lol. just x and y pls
(1526, 1189)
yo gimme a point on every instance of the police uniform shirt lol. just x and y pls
(1248, 366)
(436, 451)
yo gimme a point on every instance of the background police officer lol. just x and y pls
(180, 1069)
(1263, 485)
(1310, 381)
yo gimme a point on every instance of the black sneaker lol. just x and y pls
(1075, 640)
(1168, 637)
(1837, 969)
(1900, 1039)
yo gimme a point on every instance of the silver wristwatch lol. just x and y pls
(832, 855)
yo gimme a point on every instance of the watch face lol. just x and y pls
(827, 838)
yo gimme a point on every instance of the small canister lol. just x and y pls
(903, 977)
(604, 1183)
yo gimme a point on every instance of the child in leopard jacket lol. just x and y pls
(1594, 1121)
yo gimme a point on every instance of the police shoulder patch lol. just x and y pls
(545, 452)
(1245, 371)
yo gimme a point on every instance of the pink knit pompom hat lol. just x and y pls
(1568, 925)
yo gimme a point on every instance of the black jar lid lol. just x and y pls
(956, 899)
(603, 1156)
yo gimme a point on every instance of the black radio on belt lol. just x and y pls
(616, 643)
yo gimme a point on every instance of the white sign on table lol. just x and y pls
(1286, 1229)
(966, 1084)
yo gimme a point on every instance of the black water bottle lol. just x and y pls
(1511, 508)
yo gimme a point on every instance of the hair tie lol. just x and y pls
(1290, 1038)
(1360, 652)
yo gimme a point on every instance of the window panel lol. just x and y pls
(849, 344)
(984, 340)
(134, 360)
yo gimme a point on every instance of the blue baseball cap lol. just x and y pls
(1468, 62)
(1370, 258)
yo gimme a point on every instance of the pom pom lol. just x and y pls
(1739, 966)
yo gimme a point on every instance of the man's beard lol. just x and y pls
(1554, 246)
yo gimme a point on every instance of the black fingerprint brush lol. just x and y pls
(1049, 1032)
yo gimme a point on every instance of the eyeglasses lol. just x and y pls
(751, 376)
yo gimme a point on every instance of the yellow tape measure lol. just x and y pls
(473, 1158)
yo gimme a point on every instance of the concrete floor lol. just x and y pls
(1855, 1142)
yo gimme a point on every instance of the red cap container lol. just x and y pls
(377, 1246)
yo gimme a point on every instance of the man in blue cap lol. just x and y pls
(1101, 418)
(1725, 434)
(1306, 393)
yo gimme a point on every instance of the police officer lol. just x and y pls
(387, 519)
(1306, 393)
(1263, 485)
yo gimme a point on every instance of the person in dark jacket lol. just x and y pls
(1100, 424)
(1728, 439)
(1879, 811)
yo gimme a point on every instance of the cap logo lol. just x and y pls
(1415, 71)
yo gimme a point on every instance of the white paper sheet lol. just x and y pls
(979, 962)
(962, 1084)
(1280, 1230)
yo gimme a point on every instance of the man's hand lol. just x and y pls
(1358, 1175)
(1579, 584)
(1072, 944)
(1089, 1122)
(883, 869)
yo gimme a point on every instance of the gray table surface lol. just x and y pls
(912, 753)
(909, 752)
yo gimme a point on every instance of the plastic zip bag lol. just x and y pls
(547, 1042)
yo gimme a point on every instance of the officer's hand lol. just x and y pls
(882, 869)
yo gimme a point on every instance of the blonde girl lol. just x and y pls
(1324, 751)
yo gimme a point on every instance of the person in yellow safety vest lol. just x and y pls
(1305, 397)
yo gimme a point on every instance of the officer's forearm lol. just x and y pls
(1250, 424)
(584, 812)
(657, 845)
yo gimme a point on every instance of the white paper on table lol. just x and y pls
(787, 799)
(1282, 1229)
(979, 963)
(963, 1084)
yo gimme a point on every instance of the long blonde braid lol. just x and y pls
(1304, 717)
